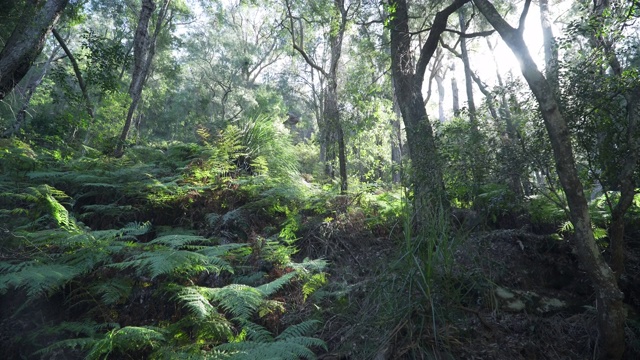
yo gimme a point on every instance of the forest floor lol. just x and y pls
(519, 294)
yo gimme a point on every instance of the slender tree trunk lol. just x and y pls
(467, 73)
(441, 95)
(455, 93)
(476, 137)
(143, 53)
(76, 71)
(331, 108)
(611, 315)
(329, 124)
(550, 48)
(27, 40)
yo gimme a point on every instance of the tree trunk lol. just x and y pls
(144, 47)
(475, 138)
(27, 40)
(611, 315)
(550, 48)
(455, 94)
(441, 95)
(428, 186)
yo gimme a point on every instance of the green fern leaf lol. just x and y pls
(163, 262)
(272, 287)
(195, 302)
(38, 279)
(299, 330)
(240, 300)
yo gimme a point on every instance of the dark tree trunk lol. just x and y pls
(144, 47)
(329, 124)
(27, 40)
(609, 298)
(428, 187)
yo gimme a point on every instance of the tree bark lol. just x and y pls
(455, 94)
(330, 124)
(441, 95)
(144, 47)
(426, 176)
(611, 315)
(27, 40)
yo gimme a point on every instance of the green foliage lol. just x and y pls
(103, 276)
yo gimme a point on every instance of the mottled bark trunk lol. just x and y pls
(27, 40)
(426, 175)
(332, 110)
(396, 142)
(611, 315)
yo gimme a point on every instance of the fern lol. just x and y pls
(272, 287)
(197, 304)
(178, 241)
(127, 340)
(240, 300)
(113, 291)
(305, 328)
(37, 279)
(285, 349)
(166, 262)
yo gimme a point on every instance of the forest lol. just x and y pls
(326, 179)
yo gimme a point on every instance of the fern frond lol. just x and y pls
(113, 291)
(129, 339)
(163, 262)
(255, 332)
(272, 287)
(197, 304)
(178, 241)
(279, 350)
(240, 300)
(38, 279)
(308, 265)
(302, 329)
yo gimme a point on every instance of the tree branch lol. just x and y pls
(439, 26)
(76, 70)
(523, 16)
(471, 35)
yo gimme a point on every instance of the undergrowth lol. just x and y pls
(177, 252)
